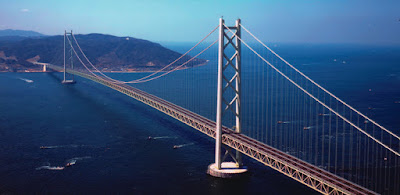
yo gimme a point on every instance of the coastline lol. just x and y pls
(108, 71)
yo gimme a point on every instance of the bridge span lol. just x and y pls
(289, 122)
(306, 173)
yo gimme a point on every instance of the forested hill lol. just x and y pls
(107, 52)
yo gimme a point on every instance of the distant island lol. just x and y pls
(20, 50)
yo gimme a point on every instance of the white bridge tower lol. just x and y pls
(229, 80)
(71, 59)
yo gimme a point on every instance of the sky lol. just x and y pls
(288, 21)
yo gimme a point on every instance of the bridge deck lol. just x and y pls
(306, 173)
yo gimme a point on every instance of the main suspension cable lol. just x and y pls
(319, 86)
(141, 80)
(313, 97)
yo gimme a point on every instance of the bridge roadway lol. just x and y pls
(306, 173)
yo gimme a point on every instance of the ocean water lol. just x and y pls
(103, 135)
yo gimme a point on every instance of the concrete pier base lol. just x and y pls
(228, 170)
(68, 82)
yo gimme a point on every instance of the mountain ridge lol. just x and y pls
(21, 33)
(107, 52)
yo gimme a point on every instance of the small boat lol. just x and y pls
(175, 147)
(149, 138)
(72, 162)
(44, 147)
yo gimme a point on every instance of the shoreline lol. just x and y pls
(116, 71)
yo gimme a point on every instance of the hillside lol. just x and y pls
(21, 33)
(109, 53)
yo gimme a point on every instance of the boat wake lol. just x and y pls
(308, 128)
(323, 114)
(81, 158)
(61, 146)
(26, 80)
(183, 145)
(69, 163)
(50, 168)
(165, 137)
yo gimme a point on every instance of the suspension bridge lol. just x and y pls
(268, 110)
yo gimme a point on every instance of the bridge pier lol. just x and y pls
(229, 170)
(219, 168)
(68, 82)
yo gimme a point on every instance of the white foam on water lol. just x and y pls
(183, 145)
(50, 168)
(26, 80)
(165, 137)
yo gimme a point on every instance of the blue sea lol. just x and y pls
(103, 135)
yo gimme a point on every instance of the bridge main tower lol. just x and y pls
(228, 99)
(71, 59)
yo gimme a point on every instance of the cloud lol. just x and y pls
(24, 10)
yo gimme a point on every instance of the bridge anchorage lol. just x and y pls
(70, 59)
(229, 75)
